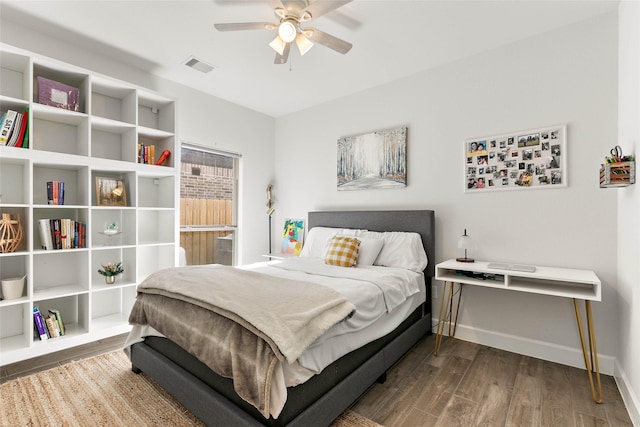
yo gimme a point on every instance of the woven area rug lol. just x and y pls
(102, 391)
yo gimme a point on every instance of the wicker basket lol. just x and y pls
(11, 234)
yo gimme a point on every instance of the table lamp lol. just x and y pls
(465, 242)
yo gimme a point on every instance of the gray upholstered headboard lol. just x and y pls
(418, 221)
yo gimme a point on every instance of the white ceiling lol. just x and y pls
(391, 40)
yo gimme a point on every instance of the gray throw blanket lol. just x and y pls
(239, 323)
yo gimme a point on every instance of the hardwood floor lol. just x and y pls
(474, 385)
(466, 385)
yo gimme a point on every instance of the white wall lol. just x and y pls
(202, 119)
(628, 368)
(566, 76)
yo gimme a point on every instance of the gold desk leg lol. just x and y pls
(455, 324)
(443, 314)
(592, 349)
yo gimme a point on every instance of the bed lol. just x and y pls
(324, 396)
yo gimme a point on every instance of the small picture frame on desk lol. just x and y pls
(110, 191)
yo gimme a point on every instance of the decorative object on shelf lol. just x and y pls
(110, 271)
(56, 94)
(534, 158)
(164, 156)
(111, 228)
(270, 209)
(618, 170)
(373, 160)
(11, 233)
(292, 236)
(55, 193)
(465, 242)
(13, 288)
(110, 192)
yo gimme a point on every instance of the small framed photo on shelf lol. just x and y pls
(110, 191)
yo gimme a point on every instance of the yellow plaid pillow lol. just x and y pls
(342, 251)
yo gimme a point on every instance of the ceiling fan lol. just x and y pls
(290, 14)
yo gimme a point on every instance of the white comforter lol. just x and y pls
(377, 293)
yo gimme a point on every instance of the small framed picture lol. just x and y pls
(110, 191)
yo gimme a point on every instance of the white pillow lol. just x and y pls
(400, 249)
(369, 250)
(315, 242)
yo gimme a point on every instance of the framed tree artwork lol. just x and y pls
(373, 160)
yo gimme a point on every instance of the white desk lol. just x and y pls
(561, 282)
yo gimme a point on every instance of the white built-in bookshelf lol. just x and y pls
(99, 140)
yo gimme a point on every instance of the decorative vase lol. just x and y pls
(11, 234)
(110, 280)
(13, 288)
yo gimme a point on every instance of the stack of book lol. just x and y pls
(47, 327)
(55, 193)
(14, 131)
(62, 233)
(146, 154)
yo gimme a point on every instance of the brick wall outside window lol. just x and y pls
(214, 182)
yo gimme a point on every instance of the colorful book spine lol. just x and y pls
(15, 132)
(60, 192)
(55, 192)
(45, 234)
(52, 326)
(39, 324)
(7, 126)
(58, 317)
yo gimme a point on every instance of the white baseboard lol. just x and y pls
(539, 349)
(629, 397)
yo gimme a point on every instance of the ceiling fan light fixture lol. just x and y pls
(303, 43)
(278, 45)
(287, 31)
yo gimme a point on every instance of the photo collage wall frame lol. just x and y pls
(535, 158)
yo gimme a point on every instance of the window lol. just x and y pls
(208, 205)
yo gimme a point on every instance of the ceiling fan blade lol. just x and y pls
(246, 26)
(275, 4)
(332, 42)
(321, 7)
(282, 59)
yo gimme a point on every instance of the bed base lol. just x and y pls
(216, 410)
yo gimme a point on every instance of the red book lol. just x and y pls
(165, 154)
(23, 128)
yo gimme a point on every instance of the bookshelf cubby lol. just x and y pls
(99, 140)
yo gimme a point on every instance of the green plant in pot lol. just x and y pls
(110, 271)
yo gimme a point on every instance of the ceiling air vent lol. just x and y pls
(199, 65)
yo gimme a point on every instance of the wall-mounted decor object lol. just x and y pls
(534, 158)
(373, 160)
(292, 236)
(110, 192)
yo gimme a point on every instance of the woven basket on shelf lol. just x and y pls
(11, 234)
